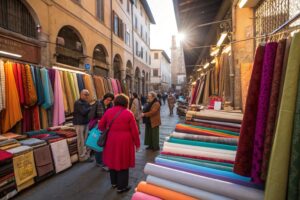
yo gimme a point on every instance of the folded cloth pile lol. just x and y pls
(42, 156)
(24, 166)
(9, 144)
(61, 155)
(72, 145)
(8, 187)
(14, 136)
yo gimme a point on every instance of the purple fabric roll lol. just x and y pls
(262, 113)
(247, 184)
(51, 73)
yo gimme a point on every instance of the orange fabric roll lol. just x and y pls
(12, 114)
(162, 193)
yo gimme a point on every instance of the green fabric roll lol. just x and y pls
(212, 129)
(208, 164)
(71, 82)
(203, 144)
(276, 187)
(294, 172)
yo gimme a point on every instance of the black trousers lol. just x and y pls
(119, 178)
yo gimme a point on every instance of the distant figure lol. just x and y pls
(122, 142)
(151, 115)
(136, 109)
(143, 100)
(171, 103)
(164, 97)
(159, 97)
(80, 122)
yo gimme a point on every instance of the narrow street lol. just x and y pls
(86, 181)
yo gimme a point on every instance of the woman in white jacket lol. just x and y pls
(136, 109)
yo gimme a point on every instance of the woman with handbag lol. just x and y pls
(122, 141)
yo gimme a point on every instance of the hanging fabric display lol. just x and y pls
(48, 92)
(58, 108)
(2, 86)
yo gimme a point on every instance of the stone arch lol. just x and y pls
(70, 47)
(117, 67)
(100, 56)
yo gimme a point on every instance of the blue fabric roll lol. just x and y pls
(39, 86)
(80, 82)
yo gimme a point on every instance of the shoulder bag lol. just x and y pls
(102, 139)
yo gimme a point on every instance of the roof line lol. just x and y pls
(148, 11)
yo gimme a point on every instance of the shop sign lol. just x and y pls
(27, 52)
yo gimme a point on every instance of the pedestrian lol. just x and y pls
(164, 97)
(96, 113)
(80, 122)
(171, 103)
(136, 109)
(143, 100)
(152, 121)
(122, 142)
(159, 98)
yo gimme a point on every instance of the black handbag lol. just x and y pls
(103, 137)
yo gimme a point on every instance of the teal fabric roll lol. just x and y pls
(212, 129)
(198, 163)
(203, 144)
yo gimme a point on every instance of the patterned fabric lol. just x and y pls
(273, 107)
(263, 108)
(2, 86)
(29, 87)
(243, 160)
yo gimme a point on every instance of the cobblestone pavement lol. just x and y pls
(88, 182)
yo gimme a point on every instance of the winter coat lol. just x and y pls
(123, 138)
(154, 114)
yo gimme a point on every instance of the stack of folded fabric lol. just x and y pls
(14, 136)
(42, 156)
(61, 155)
(8, 187)
(72, 145)
(9, 143)
(24, 166)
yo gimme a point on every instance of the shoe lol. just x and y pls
(149, 148)
(105, 168)
(98, 165)
(89, 160)
(124, 190)
(113, 186)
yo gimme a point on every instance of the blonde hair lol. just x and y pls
(153, 94)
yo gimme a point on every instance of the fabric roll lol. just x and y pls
(273, 107)
(80, 82)
(179, 149)
(77, 92)
(294, 169)
(202, 144)
(203, 163)
(61, 155)
(3, 86)
(243, 162)
(89, 86)
(215, 126)
(99, 87)
(143, 196)
(119, 86)
(69, 97)
(30, 96)
(229, 176)
(115, 86)
(72, 85)
(246, 71)
(12, 113)
(211, 185)
(19, 81)
(66, 106)
(110, 87)
(227, 124)
(162, 193)
(221, 116)
(58, 108)
(48, 92)
(51, 73)
(206, 89)
(276, 187)
(220, 140)
(196, 193)
(262, 110)
(39, 86)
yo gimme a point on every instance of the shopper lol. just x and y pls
(143, 100)
(171, 103)
(164, 97)
(96, 113)
(80, 122)
(136, 109)
(152, 120)
(122, 142)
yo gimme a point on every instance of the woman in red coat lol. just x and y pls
(122, 142)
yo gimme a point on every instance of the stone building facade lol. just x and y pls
(96, 36)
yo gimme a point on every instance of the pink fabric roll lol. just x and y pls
(115, 86)
(59, 108)
(143, 196)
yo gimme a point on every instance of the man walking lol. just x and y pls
(171, 103)
(80, 122)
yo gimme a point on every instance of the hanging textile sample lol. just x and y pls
(243, 161)
(58, 108)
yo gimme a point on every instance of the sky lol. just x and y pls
(165, 27)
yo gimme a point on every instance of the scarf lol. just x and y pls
(58, 108)
(28, 85)
(39, 86)
(77, 92)
(19, 81)
(64, 91)
(48, 92)
(70, 99)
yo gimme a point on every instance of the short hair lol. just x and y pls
(135, 95)
(108, 95)
(121, 100)
(153, 94)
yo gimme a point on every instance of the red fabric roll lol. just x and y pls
(243, 161)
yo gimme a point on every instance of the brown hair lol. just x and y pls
(121, 100)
